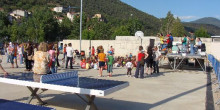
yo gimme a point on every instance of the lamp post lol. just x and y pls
(80, 25)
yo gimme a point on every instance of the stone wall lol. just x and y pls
(215, 49)
(125, 45)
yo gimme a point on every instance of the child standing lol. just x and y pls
(110, 63)
(156, 56)
(101, 59)
(129, 66)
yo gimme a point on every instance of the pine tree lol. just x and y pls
(178, 28)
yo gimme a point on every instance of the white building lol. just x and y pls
(19, 13)
(70, 16)
(99, 17)
(58, 9)
(59, 19)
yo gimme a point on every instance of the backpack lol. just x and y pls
(142, 61)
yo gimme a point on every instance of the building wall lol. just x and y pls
(20, 13)
(215, 49)
(58, 9)
(125, 45)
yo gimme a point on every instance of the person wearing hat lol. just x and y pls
(110, 63)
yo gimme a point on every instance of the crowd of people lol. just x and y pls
(190, 44)
(43, 58)
(101, 61)
(27, 53)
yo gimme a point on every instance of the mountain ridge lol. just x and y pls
(207, 20)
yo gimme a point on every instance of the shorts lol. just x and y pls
(149, 63)
(101, 64)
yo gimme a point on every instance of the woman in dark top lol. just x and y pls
(149, 59)
(30, 53)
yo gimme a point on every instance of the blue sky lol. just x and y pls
(186, 10)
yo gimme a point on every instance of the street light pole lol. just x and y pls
(81, 11)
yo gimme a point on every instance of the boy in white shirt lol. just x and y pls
(156, 56)
(69, 55)
(129, 66)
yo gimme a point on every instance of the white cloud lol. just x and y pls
(186, 17)
(217, 16)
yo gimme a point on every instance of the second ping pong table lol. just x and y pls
(176, 56)
(66, 82)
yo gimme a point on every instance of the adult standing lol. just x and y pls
(192, 39)
(41, 62)
(149, 59)
(90, 52)
(30, 53)
(11, 54)
(52, 59)
(140, 63)
(5, 73)
(20, 53)
(15, 54)
(8, 53)
(64, 54)
(161, 41)
(93, 51)
(57, 51)
(184, 43)
(156, 57)
(112, 49)
(170, 43)
(69, 55)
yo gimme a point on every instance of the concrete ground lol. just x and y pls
(169, 90)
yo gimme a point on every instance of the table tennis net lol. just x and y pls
(59, 76)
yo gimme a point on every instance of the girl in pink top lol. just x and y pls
(52, 59)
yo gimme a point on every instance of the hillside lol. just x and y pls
(117, 15)
(112, 10)
(211, 29)
(208, 20)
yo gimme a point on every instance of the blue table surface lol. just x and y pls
(81, 82)
(11, 105)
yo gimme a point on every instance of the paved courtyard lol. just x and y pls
(169, 90)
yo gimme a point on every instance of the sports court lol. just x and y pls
(169, 90)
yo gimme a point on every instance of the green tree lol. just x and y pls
(120, 31)
(14, 32)
(134, 25)
(4, 23)
(201, 32)
(178, 28)
(167, 23)
(65, 28)
(88, 34)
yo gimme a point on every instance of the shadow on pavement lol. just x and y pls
(71, 101)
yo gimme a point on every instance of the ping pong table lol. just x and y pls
(12, 105)
(176, 56)
(66, 82)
